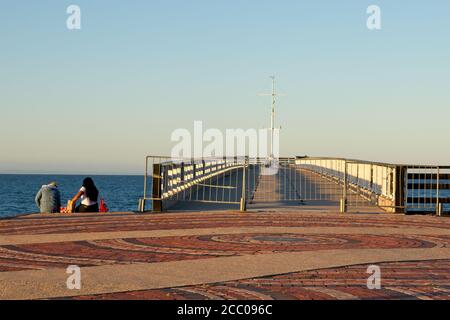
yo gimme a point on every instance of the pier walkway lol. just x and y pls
(285, 253)
(349, 185)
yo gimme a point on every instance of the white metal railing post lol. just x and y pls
(343, 203)
(438, 203)
(243, 205)
(141, 207)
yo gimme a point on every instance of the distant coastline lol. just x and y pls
(69, 174)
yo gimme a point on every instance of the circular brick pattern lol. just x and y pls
(176, 248)
(401, 280)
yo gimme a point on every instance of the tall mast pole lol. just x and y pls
(272, 117)
(274, 94)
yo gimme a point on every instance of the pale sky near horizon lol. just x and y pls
(97, 100)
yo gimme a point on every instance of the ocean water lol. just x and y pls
(121, 193)
(17, 192)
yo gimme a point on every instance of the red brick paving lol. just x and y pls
(123, 251)
(424, 278)
(400, 280)
(130, 222)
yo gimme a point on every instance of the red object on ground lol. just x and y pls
(103, 206)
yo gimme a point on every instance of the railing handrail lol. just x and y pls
(348, 160)
(374, 162)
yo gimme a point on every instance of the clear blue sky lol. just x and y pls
(99, 99)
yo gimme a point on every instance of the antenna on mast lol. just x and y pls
(274, 94)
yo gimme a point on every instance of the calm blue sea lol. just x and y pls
(17, 192)
(121, 193)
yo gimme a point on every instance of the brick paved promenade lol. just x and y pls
(226, 255)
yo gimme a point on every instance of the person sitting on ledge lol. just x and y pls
(88, 195)
(48, 198)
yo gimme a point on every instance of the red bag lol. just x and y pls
(103, 206)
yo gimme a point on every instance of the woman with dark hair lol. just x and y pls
(88, 195)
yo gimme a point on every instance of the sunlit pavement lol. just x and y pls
(263, 254)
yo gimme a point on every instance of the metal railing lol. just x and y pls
(374, 183)
(200, 180)
(396, 188)
(346, 182)
(283, 180)
(427, 189)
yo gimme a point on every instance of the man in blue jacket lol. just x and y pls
(48, 199)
